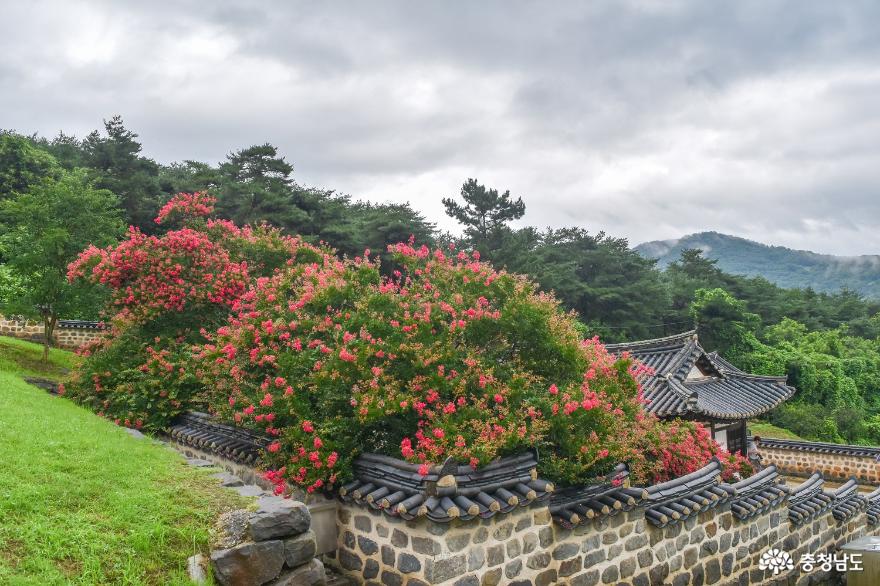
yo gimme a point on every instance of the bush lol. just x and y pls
(164, 292)
(447, 358)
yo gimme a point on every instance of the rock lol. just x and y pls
(310, 574)
(300, 549)
(199, 463)
(279, 517)
(195, 567)
(249, 490)
(134, 433)
(228, 480)
(231, 529)
(248, 564)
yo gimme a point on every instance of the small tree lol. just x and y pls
(47, 227)
(484, 214)
(723, 322)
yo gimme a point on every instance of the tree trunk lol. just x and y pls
(49, 321)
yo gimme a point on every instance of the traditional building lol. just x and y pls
(690, 383)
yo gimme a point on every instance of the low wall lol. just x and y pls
(835, 462)
(69, 334)
(526, 548)
(502, 525)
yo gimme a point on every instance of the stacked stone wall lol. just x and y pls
(64, 337)
(526, 548)
(838, 467)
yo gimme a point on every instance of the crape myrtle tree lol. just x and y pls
(446, 357)
(166, 291)
(46, 227)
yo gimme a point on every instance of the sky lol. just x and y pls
(648, 120)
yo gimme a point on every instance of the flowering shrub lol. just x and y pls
(665, 450)
(446, 358)
(166, 290)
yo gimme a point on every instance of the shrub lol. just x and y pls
(164, 291)
(447, 358)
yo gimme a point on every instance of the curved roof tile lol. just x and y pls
(722, 392)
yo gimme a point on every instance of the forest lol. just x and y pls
(59, 195)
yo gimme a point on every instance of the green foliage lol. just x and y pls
(598, 276)
(116, 165)
(722, 322)
(47, 227)
(485, 215)
(255, 185)
(22, 165)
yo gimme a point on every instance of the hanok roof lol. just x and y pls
(688, 381)
(448, 492)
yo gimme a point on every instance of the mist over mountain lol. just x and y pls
(784, 266)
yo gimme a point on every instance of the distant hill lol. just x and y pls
(780, 265)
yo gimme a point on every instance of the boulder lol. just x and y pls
(300, 549)
(231, 529)
(248, 564)
(310, 574)
(279, 517)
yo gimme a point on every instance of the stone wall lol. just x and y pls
(525, 547)
(833, 466)
(66, 337)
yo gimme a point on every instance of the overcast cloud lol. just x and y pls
(644, 119)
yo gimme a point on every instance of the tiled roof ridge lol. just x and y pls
(608, 496)
(683, 497)
(666, 341)
(759, 493)
(739, 375)
(200, 430)
(820, 447)
(873, 508)
(80, 324)
(847, 501)
(808, 500)
(447, 492)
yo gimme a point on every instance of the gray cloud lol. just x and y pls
(645, 119)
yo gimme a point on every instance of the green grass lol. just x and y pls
(82, 502)
(26, 359)
(769, 430)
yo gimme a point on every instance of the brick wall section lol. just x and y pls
(67, 338)
(832, 466)
(525, 548)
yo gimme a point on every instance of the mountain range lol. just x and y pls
(784, 266)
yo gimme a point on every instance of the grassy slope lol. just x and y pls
(26, 359)
(82, 502)
(769, 430)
